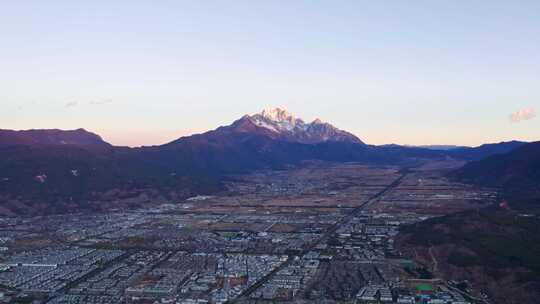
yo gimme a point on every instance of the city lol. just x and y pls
(268, 152)
(322, 233)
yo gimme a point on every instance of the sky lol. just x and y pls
(147, 72)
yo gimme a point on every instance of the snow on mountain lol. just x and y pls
(286, 126)
(278, 120)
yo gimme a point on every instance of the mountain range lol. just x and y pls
(516, 172)
(47, 171)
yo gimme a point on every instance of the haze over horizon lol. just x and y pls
(145, 74)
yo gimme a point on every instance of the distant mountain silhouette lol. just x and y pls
(483, 151)
(516, 171)
(60, 171)
(79, 137)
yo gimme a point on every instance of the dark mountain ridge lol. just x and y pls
(485, 150)
(515, 172)
(496, 248)
(79, 137)
(74, 168)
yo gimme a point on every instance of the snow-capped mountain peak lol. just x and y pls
(286, 126)
(278, 119)
(277, 114)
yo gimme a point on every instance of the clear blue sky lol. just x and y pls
(145, 72)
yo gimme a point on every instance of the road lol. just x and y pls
(329, 232)
(434, 259)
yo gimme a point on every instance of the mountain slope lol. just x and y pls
(79, 137)
(53, 170)
(59, 178)
(496, 249)
(246, 145)
(486, 150)
(37, 179)
(516, 171)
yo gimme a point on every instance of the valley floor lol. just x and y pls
(322, 233)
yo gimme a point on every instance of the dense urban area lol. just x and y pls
(148, 154)
(322, 233)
